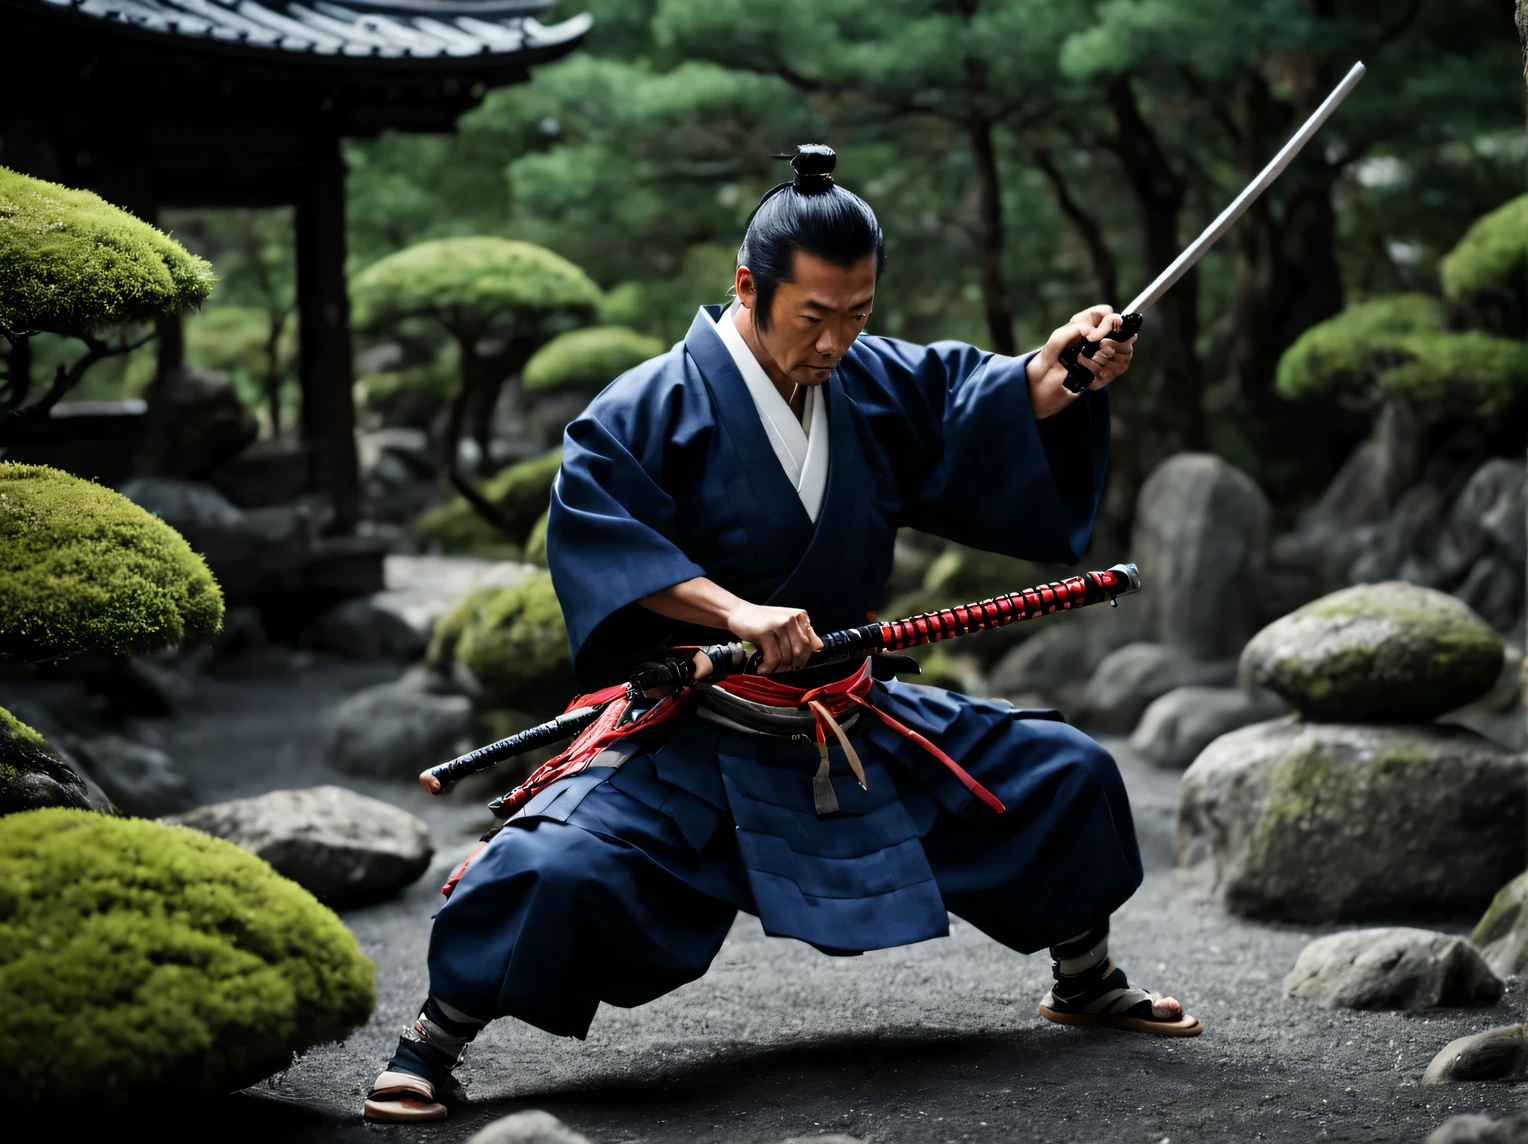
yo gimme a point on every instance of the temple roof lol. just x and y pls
(411, 32)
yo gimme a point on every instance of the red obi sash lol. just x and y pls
(828, 705)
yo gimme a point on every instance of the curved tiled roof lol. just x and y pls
(410, 31)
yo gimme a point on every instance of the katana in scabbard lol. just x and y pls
(678, 670)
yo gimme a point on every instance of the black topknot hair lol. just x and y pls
(810, 213)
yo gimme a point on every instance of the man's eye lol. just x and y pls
(814, 321)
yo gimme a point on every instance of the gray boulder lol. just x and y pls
(139, 779)
(196, 423)
(204, 516)
(1475, 1129)
(1130, 679)
(1391, 652)
(394, 730)
(1496, 1054)
(1398, 968)
(363, 629)
(530, 1127)
(345, 848)
(1502, 933)
(1180, 724)
(1201, 536)
(1309, 822)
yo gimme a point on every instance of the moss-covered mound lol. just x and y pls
(1397, 347)
(30, 778)
(588, 360)
(535, 543)
(1492, 255)
(150, 964)
(521, 492)
(514, 643)
(1380, 653)
(84, 569)
(70, 261)
(471, 285)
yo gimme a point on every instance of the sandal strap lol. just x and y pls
(1106, 992)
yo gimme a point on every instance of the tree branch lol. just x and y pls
(68, 377)
(1100, 257)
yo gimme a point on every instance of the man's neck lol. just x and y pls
(793, 394)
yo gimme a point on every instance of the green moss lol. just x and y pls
(513, 641)
(1398, 348)
(471, 286)
(1502, 914)
(1492, 254)
(588, 360)
(1297, 787)
(83, 568)
(152, 965)
(521, 492)
(71, 262)
(17, 733)
(535, 543)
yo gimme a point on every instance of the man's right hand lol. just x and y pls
(784, 636)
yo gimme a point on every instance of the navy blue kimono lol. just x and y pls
(620, 883)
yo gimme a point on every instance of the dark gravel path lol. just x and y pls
(934, 1042)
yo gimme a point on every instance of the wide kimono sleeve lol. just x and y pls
(611, 526)
(975, 465)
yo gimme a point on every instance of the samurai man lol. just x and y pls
(748, 485)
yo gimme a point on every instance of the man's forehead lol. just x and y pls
(828, 306)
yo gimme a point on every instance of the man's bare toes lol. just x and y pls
(1166, 1009)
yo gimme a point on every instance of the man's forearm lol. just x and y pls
(698, 601)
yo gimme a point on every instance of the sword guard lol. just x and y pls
(1078, 376)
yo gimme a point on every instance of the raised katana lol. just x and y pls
(1078, 376)
(678, 670)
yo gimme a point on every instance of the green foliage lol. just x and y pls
(1396, 347)
(513, 641)
(149, 965)
(588, 360)
(84, 569)
(472, 286)
(71, 262)
(521, 493)
(1493, 254)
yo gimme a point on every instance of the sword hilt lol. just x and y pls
(1078, 376)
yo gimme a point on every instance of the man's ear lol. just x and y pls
(745, 289)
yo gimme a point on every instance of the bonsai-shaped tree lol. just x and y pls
(519, 495)
(1418, 349)
(498, 299)
(74, 265)
(585, 361)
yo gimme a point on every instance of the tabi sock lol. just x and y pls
(433, 1044)
(1079, 964)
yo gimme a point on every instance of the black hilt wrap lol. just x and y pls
(851, 643)
(1078, 376)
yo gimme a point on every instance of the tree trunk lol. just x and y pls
(1089, 233)
(1159, 194)
(18, 373)
(171, 357)
(989, 253)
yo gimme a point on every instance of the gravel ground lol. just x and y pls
(933, 1042)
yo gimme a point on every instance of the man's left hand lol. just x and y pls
(1046, 373)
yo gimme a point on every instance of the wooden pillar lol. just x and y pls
(323, 309)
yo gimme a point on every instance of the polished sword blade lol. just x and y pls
(1181, 265)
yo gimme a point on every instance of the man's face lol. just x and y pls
(815, 318)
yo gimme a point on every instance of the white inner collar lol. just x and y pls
(801, 449)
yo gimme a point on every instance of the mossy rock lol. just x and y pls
(1397, 348)
(1492, 255)
(513, 643)
(82, 568)
(535, 543)
(471, 285)
(1343, 822)
(31, 778)
(70, 262)
(586, 361)
(1383, 653)
(1502, 932)
(521, 492)
(152, 966)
